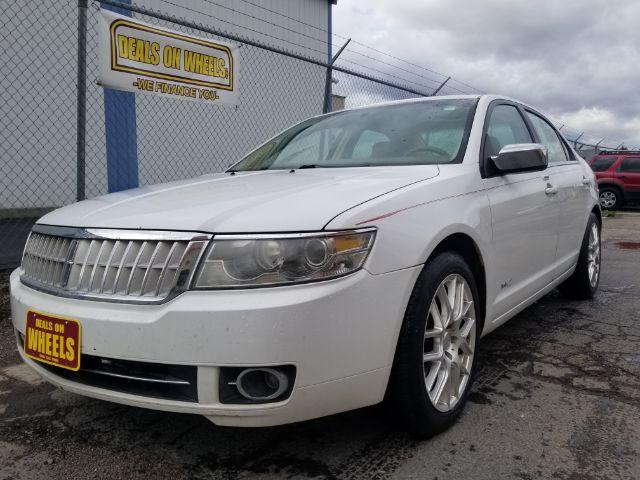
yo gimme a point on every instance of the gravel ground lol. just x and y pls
(557, 396)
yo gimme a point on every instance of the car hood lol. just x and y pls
(265, 201)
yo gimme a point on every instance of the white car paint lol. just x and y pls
(340, 334)
(267, 201)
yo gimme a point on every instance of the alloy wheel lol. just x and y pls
(449, 342)
(593, 255)
(608, 199)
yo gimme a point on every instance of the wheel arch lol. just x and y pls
(465, 246)
(598, 213)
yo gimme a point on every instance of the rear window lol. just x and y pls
(600, 164)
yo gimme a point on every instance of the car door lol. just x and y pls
(629, 175)
(524, 220)
(569, 184)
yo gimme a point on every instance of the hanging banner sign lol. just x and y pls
(139, 57)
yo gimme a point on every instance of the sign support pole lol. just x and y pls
(81, 113)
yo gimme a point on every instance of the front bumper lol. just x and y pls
(340, 335)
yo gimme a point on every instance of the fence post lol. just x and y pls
(435, 92)
(575, 142)
(81, 114)
(327, 85)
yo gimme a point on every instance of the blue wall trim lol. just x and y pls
(120, 132)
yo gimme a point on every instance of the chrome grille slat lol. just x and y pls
(53, 259)
(43, 260)
(40, 247)
(55, 267)
(84, 264)
(132, 274)
(28, 258)
(111, 265)
(149, 267)
(96, 265)
(121, 266)
(51, 250)
(108, 266)
(163, 272)
(68, 262)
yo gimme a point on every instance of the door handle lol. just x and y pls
(586, 181)
(551, 189)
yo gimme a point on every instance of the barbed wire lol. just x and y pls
(253, 17)
(342, 37)
(352, 51)
(259, 32)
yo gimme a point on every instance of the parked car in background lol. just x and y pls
(355, 257)
(618, 176)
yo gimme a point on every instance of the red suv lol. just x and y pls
(618, 175)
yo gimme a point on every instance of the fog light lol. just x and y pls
(261, 383)
(256, 384)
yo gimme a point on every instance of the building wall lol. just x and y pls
(175, 138)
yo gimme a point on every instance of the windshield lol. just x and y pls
(422, 133)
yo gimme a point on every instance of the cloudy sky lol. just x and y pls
(573, 59)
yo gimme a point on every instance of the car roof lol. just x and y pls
(610, 153)
(488, 97)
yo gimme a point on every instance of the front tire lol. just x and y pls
(583, 283)
(434, 363)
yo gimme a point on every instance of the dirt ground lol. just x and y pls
(557, 396)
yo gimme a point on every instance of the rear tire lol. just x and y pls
(583, 284)
(610, 198)
(439, 334)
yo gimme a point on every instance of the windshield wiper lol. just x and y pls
(310, 165)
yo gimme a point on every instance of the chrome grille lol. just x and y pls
(115, 265)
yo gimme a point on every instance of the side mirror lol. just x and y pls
(521, 157)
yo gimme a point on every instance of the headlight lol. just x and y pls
(233, 261)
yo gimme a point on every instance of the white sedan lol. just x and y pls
(355, 257)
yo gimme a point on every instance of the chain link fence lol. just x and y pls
(56, 148)
(171, 139)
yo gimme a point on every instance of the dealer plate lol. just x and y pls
(52, 339)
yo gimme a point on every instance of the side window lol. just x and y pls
(570, 153)
(506, 127)
(367, 142)
(630, 164)
(549, 138)
(602, 164)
